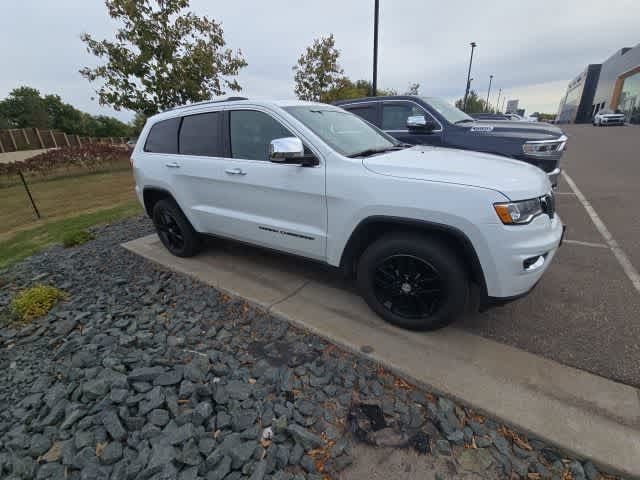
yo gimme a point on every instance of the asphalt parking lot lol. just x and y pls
(586, 311)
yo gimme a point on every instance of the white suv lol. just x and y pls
(417, 225)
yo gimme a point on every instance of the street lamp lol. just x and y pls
(466, 93)
(488, 92)
(498, 102)
(374, 83)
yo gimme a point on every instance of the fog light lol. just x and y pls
(533, 263)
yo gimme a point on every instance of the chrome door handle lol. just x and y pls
(172, 165)
(235, 171)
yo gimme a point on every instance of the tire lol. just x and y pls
(388, 278)
(175, 231)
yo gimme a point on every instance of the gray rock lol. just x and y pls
(282, 456)
(238, 390)
(296, 454)
(221, 470)
(223, 420)
(173, 377)
(112, 453)
(145, 374)
(182, 433)
(259, 470)
(242, 453)
(51, 471)
(591, 471)
(153, 399)
(307, 439)
(243, 419)
(162, 453)
(158, 417)
(112, 424)
(443, 447)
(576, 469)
(457, 437)
(39, 445)
(502, 444)
(190, 454)
(308, 464)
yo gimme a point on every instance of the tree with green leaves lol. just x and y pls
(318, 71)
(162, 56)
(347, 89)
(475, 104)
(23, 108)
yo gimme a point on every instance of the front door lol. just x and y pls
(280, 206)
(394, 122)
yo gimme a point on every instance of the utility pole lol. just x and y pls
(466, 93)
(498, 102)
(488, 92)
(503, 99)
(374, 83)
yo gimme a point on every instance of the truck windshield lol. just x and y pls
(345, 132)
(450, 113)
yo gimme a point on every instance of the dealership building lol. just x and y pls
(613, 84)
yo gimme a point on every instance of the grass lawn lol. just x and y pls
(62, 197)
(67, 204)
(28, 242)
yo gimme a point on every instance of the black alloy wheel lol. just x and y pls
(408, 286)
(413, 281)
(174, 229)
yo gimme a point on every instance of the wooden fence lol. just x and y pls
(15, 139)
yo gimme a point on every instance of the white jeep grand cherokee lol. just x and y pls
(418, 226)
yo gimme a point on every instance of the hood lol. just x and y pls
(513, 129)
(514, 179)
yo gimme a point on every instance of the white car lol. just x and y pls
(608, 117)
(418, 226)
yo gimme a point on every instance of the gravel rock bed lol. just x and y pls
(148, 374)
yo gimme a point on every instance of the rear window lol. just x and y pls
(199, 135)
(163, 137)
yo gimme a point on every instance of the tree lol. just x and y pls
(161, 57)
(346, 89)
(318, 71)
(137, 124)
(475, 104)
(414, 89)
(24, 107)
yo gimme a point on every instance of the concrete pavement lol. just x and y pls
(582, 413)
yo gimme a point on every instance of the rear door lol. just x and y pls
(280, 206)
(394, 121)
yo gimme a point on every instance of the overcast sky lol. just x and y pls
(532, 47)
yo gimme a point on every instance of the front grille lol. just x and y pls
(548, 204)
(545, 165)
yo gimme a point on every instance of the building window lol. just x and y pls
(629, 102)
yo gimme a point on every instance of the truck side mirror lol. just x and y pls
(419, 123)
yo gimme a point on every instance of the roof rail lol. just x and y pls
(205, 102)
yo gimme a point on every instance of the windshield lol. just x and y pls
(450, 113)
(345, 132)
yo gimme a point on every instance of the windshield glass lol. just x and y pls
(345, 132)
(451, 113)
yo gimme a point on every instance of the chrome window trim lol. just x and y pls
(395, 101)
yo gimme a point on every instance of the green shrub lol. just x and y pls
(77, 237)
(36, 301)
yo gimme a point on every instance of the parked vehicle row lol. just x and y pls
(419, 227)
(433, 121)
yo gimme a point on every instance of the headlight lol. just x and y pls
(544, 148)
(519, 213)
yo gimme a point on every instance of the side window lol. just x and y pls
(163, 137)
(394, 115)
(199, 135)
(251, 132)
(368, 113)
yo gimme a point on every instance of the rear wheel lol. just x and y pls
(174, 229)
(413, 281)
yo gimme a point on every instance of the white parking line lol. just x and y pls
(586, 244)
(622, 257)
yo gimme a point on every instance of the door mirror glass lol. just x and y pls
(285, 149)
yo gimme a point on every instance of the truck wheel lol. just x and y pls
(413, 281)
(174, 230)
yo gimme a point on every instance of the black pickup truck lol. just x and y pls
(434, 121)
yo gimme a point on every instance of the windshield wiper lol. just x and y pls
(372, 151)
(464, 121)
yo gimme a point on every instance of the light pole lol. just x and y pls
(374, 83)
(488, 92)
(466, 92)
(503, 99)
(498, 102)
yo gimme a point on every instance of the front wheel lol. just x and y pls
(413, 281)
(174, 229)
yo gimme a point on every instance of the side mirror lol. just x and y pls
(420, 123)
(285, 149)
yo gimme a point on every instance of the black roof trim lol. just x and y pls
(378, 98)
(206, 102)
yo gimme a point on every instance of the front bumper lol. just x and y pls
(521, 254)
